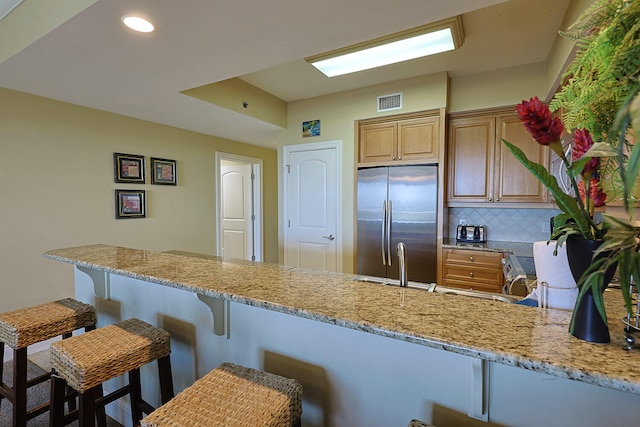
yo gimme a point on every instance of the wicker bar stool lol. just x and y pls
(86, 361)
(27, 326)
(233, 396)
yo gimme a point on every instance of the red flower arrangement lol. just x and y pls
(577, 211)
(544, 128)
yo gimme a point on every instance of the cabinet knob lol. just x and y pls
(490, 199)
(471, 274)
(471, 259)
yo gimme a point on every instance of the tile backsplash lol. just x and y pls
(509, 225)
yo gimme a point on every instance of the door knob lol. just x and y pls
(329, 237)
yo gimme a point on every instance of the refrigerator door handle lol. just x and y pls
(384, 222)
(389, 234)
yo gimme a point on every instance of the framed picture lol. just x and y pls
(131, 204)
(128, 168)
(311, 128)
(164, 171)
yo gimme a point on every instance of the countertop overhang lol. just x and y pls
(526, 337)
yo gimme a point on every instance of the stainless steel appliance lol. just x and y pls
(397, 204)
(519, 274)
(471, 233)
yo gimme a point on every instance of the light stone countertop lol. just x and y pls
(515, 335)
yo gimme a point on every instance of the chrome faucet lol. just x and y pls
(401, 250)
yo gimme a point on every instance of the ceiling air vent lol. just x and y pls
(390, 102)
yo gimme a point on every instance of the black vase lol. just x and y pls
(587, 324)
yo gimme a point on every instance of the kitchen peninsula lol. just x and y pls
(367, 354)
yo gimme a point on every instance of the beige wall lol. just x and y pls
(338, 112)
(56, 182)
(497, 88)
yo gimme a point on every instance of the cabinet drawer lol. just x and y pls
(473, 274)
(479, 258)
(465, 284)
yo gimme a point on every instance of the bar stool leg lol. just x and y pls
(87, 407)
(136, 396)
(101, 412)
(20, 387)
(56, 406)
(1, 367)
(166, 379)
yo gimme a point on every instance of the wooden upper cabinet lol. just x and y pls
(483, 170)
(418, 138)
(515, 182)
(470, 151)
(378, 142)
(399, 140)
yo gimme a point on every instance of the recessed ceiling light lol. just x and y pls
(138, 24)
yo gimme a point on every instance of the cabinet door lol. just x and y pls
(378, 142)
(418, 139)
(514, 183)
(471, 155)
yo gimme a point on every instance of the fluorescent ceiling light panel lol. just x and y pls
(416, 43)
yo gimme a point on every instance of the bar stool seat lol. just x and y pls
(27, 326)
(85, 362)
(233, 396)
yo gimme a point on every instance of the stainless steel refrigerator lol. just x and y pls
(397, 204)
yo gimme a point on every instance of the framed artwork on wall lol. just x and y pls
(131, 204)
(164, 171)
(311, 128)
(128, 168)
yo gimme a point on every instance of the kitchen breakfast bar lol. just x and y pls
(366, 354)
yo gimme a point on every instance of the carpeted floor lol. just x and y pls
(36, 396)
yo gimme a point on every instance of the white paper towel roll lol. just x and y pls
(554, 270)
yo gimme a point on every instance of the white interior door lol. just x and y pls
(313, 231)
(239, 208)
(236, 209)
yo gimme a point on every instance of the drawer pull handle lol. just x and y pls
(471, 258)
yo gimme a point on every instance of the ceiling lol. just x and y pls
(92, 60)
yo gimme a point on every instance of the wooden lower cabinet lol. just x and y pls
(477, 270)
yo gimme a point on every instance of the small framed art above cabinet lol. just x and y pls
(399, 139)
(482, 171)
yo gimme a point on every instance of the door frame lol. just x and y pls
(257, 200)
(313, 146)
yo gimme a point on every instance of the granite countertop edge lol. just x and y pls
(487, 351)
